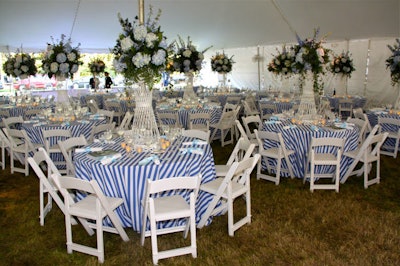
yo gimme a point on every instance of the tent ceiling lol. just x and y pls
(220, 23)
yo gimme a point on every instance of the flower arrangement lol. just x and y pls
(141, 50)
(282, 62)
(393, 62)
(186, 58)
(342, 64)
(310, 55)
(97, 66)
(61, 59)
(20, 65)
(221, 63)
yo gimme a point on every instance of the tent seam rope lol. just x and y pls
(75, 16)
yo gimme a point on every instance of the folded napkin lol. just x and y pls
(65, 124)
(31, 121)
(147, 160)
(95, 116)
(104, 141)
(344, 125)
(195, 142)
(110, 159)
(83, 121)
(289, 127)
(198, 151)
(270, 122)
(274, 118)
(314, 128)
(39, 124)
(88, 149)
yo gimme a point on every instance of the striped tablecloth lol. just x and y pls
(126, 179)
(373, 120)
(16, 111)
(299, 137)
(77, 128)
(214, 111)
(358, 101)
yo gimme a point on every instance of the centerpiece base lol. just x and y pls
(307, 108)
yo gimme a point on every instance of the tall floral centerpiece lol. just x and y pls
(342, 66)
(222, 64)
(310, 62)
(393, 63)
(61, 59)
(20, 65)
(141, 55)
(96, 67)
(281, 63)
(188, 60)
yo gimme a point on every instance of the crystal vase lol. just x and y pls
(144, 120)
(189, 93)
(307, 107)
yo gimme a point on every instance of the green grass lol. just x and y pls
(290, 226)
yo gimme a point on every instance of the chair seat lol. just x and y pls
(273, 153)
(84, 208)
(221, 169)
(164, 206)
(325, 158)
(213, 186)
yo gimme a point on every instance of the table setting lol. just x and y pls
(127, 160)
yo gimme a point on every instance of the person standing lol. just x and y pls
(108, 80)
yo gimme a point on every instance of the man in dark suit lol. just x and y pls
(108, 81)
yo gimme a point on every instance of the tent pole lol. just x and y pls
(141, 12)
(258, 63)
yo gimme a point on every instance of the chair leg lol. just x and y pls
(231, 231)
(278, 171)
(100, 240)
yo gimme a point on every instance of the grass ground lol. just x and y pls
(290, 226)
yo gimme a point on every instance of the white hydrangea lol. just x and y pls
(54, 67)
(158, 58)
(140, 32)
(141, 60)
(126, 44)
(119, 66)
(187, 53)
(61, 58)
(17, 72)
(24, 68)
(23, 76)
(18, 59)
(150, 39)
(74, 68)
(71, 56)
(68, 47)
(64, 68)
(201, 56)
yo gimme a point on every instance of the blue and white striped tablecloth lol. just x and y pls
(214, 111)
(126, 179)
(299, 140)
(373, 120)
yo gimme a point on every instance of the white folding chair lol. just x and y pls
(93, 209)
(362, 126)
(250, 123)
(164, 202)
(346, 107)
(199, 120)
(168, 119)
(324, 152)
(250, 107)
(115, 106)
(5, 144)
(274, 155)
(51, 138)
(126, 121)
(108, 114)
(46, 187)
(226, 189)
(100, 129)
(93, 106)
(68, 147)
(367, 153)
(224, 126)
(267, 110)
(392, 126)
(21, 148)
(197, 133)
(233, 99)
(242, 151)
(13, 122)
(243, 134)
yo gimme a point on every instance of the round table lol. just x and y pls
(298, 138)
(126, 178)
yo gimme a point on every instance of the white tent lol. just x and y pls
(243, 28)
